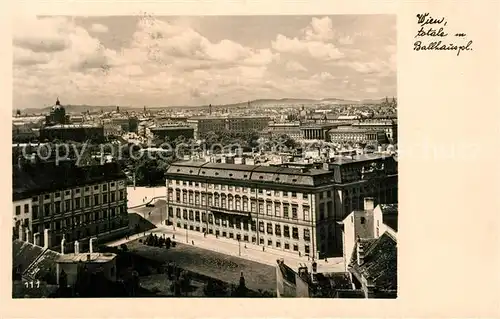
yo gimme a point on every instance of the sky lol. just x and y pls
(167, 61)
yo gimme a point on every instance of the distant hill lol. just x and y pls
(78, 109)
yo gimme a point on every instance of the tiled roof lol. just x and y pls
(44, 268)
(390, 215)
(287, 273)
(24, 254)
(380, 262)
(257, 173)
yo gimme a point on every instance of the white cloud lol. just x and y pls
(315, 49)
(323, 76)
(99, 28)
(295, 66)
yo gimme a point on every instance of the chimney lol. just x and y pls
(63, 242)
(77, 247)
(91, 240)
(369, 203)
(46, 238)
(27, 235)
(360, 252)
(19, 162)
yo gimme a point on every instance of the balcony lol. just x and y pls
(226, 211)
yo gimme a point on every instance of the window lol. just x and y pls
(58, 207)
(18, 210)
(184, 197)
(287, 246)
(305, 210)
(34, 210)
(269, 242)
(278, 230)
(307, 235)
(35, 199)
(204, 217)
(329, 194)
(47, 196)
(295, 233)
(321, 211)
(261, 208)
(231, 224)
(278, 244)
(261, 227)
(270, 228)
(254, 225)
(277, 209)
(306, 249)
(57, 195)
(253, 206)
(261, 241)
(87, 201)
(96, 188)
(285, 194)
(178, 212)
(286, 231)
(77, 191)
(104, 198)
(285, 211)
(104, 187)
(269, 209)
(304, 196)
(191, 215)
(294, 212)
(295, 247)
(185, 214)
(276, 193)
(197, 199)
(294, 194)
(46, 209)
(245, 204)
(197, 216)
(190, 198)
(362, 220)
(210, 218)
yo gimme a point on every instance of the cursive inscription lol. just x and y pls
(432, 34)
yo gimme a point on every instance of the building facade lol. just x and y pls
(291, 129)
(272, 207)
(72, 132)
(390, 127)
(203, 125)
(173, 132)
(316, 131)
(354, 135)
(56, 201)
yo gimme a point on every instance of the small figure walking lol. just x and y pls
(245, 246)
(173, 236)
(263, 248)
(300, 255)
(192, 242)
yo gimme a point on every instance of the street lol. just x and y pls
(234, 248)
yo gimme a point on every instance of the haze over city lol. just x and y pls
(166, 61)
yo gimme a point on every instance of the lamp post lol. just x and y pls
(187, 236)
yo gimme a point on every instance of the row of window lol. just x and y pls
(26, 209)
(76, 191)
(238, 189)
(82, 219)
(246, 238)
(242, 223)
(276, 209)
(67, 205)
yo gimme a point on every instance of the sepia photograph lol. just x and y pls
(205, 156)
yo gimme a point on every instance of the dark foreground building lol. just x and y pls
(72, 132)
(55, 201)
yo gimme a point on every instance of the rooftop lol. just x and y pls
(171, 128)
(256, 173)
(390, 215)
(380, 262)
(70, 126)
(33, 179)
(86, 257)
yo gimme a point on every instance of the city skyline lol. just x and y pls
(165, 61)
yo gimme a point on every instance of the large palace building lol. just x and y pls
(282, 208)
